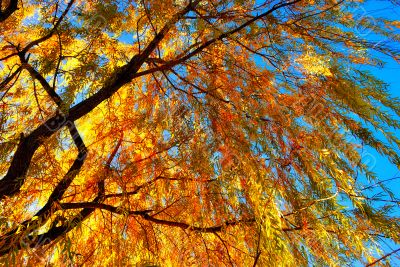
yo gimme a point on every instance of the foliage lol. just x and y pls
(193, 133)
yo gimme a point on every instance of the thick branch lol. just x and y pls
(94, 205)
(10, 9)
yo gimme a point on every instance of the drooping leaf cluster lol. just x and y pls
(188, 132)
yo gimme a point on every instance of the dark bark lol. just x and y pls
(9, 10)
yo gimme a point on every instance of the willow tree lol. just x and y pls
(193, 133)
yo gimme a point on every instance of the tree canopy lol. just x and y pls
(194, 132)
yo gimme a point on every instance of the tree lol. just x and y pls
(196, 132)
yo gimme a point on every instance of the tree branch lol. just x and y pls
(10, 9)
(95, 205)
(382, 258)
